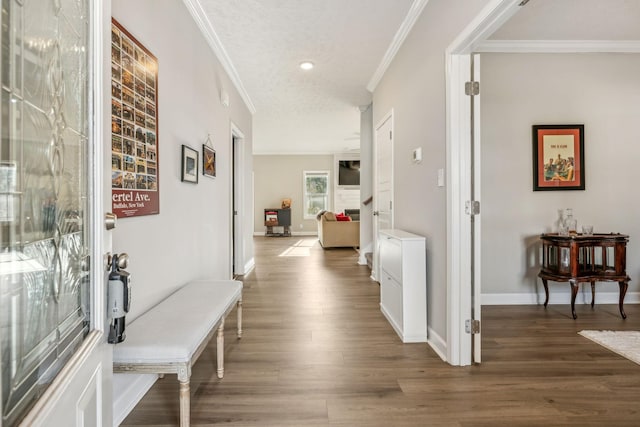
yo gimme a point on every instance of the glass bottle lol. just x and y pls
(571, 224)
(562, 228)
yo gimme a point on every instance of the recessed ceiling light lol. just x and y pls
(306, 65)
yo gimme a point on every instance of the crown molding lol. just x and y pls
(396, 43)
(558, 46)
(200, 17)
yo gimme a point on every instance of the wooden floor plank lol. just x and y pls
(316, 351)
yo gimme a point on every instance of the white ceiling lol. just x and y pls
(314, 111)
(350, 41)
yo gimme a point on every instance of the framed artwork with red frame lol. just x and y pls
(558, 157)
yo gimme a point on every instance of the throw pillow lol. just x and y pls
(329, 216)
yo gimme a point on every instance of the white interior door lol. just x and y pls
(55, 364)
(463, 228)
(476, 262)
(383, 179)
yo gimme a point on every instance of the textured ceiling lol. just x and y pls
(314, 111)
(317, 111)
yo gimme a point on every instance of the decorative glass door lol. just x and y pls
(44, 194)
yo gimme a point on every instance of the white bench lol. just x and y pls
(169, 338)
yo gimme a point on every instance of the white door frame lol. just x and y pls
(237, 234)
(375, 273)
(458, 59)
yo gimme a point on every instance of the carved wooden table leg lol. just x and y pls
(184, 376)
(220, 349)
(239, 309)
(593, 293)
(574, 292)
(546, 292)
(623, 292)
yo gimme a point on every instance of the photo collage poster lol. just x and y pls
(134, 126)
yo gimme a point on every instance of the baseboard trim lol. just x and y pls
(438, 344)
(128, 390)
(249, 266)
(362, 260)
(583, 297)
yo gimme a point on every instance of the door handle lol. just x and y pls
(376, 213)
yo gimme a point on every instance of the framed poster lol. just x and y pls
(135, 187)
(558, 157)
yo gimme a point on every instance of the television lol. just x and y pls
(348, 173)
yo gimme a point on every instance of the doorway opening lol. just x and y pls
(237, 207)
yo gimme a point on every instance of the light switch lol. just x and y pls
(440, 177)
(417, 155)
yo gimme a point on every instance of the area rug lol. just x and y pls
(625, 343)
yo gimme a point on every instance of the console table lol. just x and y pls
(585, 258)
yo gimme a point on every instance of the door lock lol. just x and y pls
(110, 220)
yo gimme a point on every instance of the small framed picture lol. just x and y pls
(558, 157)
(189, 165)
(208, 161)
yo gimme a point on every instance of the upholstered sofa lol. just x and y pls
(337, 234)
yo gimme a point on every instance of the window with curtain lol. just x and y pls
(316, 192)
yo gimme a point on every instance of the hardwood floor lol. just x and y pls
(317, 351)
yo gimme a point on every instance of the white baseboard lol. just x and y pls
(362, 260)
(438, 344)
(249, 266)
(583, 297)
(128, 390)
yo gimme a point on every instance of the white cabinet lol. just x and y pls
(403, 283)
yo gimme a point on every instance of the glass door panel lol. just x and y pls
(44, 269)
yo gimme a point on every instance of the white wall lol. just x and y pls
(414, 87)
(280, 176)
(190, 237)
(600, 91)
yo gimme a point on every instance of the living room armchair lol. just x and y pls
(337, 234)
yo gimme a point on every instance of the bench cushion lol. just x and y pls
(172, 330)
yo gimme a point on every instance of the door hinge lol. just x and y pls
(472, 326)
(472, 207)
(390, 134)
(472, 88)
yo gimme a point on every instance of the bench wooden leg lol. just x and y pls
(220, 349)
(239, 309)
(184, 404)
